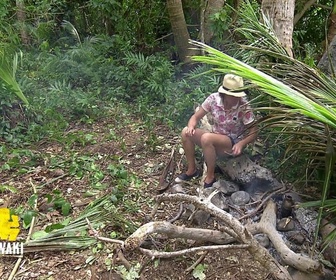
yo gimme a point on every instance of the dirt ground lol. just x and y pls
(131, 144)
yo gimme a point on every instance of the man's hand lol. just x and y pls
(237, 149)
(190, 131)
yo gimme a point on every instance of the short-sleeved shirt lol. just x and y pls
(228, 122)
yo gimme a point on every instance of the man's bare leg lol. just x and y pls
(189, 143)
(212, 145)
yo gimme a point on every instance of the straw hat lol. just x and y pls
(230, 85)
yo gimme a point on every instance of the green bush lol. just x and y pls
(81, 81)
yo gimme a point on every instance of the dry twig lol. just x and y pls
(178, 214)
(199, 260)
(263, 202)
(95, 233)
(158, 254)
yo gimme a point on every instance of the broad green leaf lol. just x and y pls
(66, 207)
(28, 217)
(198, 272)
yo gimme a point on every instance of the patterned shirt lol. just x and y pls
(228, 122)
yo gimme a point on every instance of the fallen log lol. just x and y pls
(172, 231)
(234, 231)
(238, 231)
(243, 170)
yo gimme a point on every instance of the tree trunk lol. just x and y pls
(281, 15)
(21, 17)
(180, 31)
(332, 24)
(209, 8)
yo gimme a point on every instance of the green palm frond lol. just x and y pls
(282, 93)
(73, 236)
(71, 28)
(7, 74)
(304, 106)
(258, 33)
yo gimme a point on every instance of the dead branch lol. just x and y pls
(123, 260)
(235, 229)
(158, 254)
(243, 235)
(172, 231)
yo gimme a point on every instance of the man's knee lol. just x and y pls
(206, 139)
(184, 132)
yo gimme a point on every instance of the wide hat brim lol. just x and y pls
(232, 93)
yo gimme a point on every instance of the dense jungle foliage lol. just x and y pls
(82, 59)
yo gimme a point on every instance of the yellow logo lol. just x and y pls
(9, 225)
